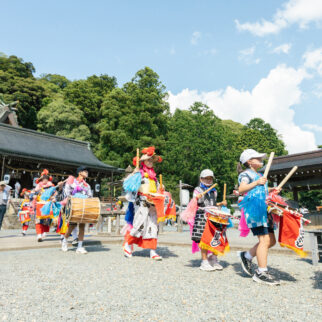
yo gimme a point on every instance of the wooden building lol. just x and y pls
(24, 153)
(307, 177)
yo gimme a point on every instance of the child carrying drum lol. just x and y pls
(73, 187)
(209, 260)
(254, 211)
(25, 210)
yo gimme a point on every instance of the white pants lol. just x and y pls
(145, 222)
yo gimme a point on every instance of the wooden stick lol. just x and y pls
(137, 158)
(225, 189)
(268, 165)
(287, 177)
(203, 193)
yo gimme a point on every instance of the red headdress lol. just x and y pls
(148, 153)
(45, 172)
(23, 191)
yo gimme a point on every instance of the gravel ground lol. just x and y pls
(49, 285)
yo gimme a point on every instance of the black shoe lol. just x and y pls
(75, 242)
(265, 278)
(246, 264)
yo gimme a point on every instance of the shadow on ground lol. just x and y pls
(162, 251)
(92, 249)
(283, 276)
(196, 263)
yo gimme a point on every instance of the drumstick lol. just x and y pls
(287, 177)
(62, 182)
(268, 165)
(161, 186)
(137, 159)
(203, 193)
(225, 189)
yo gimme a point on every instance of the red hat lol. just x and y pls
(45, 172)
(148, 153)
(24, 190)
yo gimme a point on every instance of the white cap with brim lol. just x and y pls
(206, 173)
(251, 154)
(3, 183)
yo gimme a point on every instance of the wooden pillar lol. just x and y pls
(295, 194)
(179, 221)
(2, 169)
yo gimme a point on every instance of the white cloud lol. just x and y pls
(247, 56)
(196, 35)
(313, 60)
(271, 99)
(284, 48)
(301, 12)
(313, 127)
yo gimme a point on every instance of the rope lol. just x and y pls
(83, 210)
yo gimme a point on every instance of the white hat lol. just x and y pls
(250, 154)
(206, 173)
(3, 183)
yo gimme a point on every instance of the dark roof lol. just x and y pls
(311, 159)
(309, 171)
(29, 144)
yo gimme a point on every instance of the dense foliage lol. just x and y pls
(116, 120)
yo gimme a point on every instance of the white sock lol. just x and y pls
(262, 269)
(80, 244)
(153, 252)
(39, 235)
(248, 256)
(204, 261)
(65, 240)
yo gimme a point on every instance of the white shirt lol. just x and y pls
(5, 195)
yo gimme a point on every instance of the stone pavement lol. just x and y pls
(50, 285)
(13, 240)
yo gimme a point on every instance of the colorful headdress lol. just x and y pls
(45, 172)
(148, 153)
(23, 191)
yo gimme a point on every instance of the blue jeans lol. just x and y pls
(3, 209)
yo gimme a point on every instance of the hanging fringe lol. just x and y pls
(203, 245)
(190, 212)
(133, 182)
(299, 252)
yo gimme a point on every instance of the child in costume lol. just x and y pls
(197, 225)
(42, 225)
(77, 187)
(25, 206)
(142, 214)
(255, 217)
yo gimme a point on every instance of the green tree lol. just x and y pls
(133, 117)
(311, 199)
(198, 139)
(63, 119)
(60, 81)
(88, 96)
(18, 83)
(261, 136)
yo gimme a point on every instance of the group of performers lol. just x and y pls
(150, 204)
(55, 199)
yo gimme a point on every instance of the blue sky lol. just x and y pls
(229, 54)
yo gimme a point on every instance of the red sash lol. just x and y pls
(214, 239)
(291, 233)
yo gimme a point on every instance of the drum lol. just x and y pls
(214, 214)
(24, 216)
(39, 215)
(83, 211)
